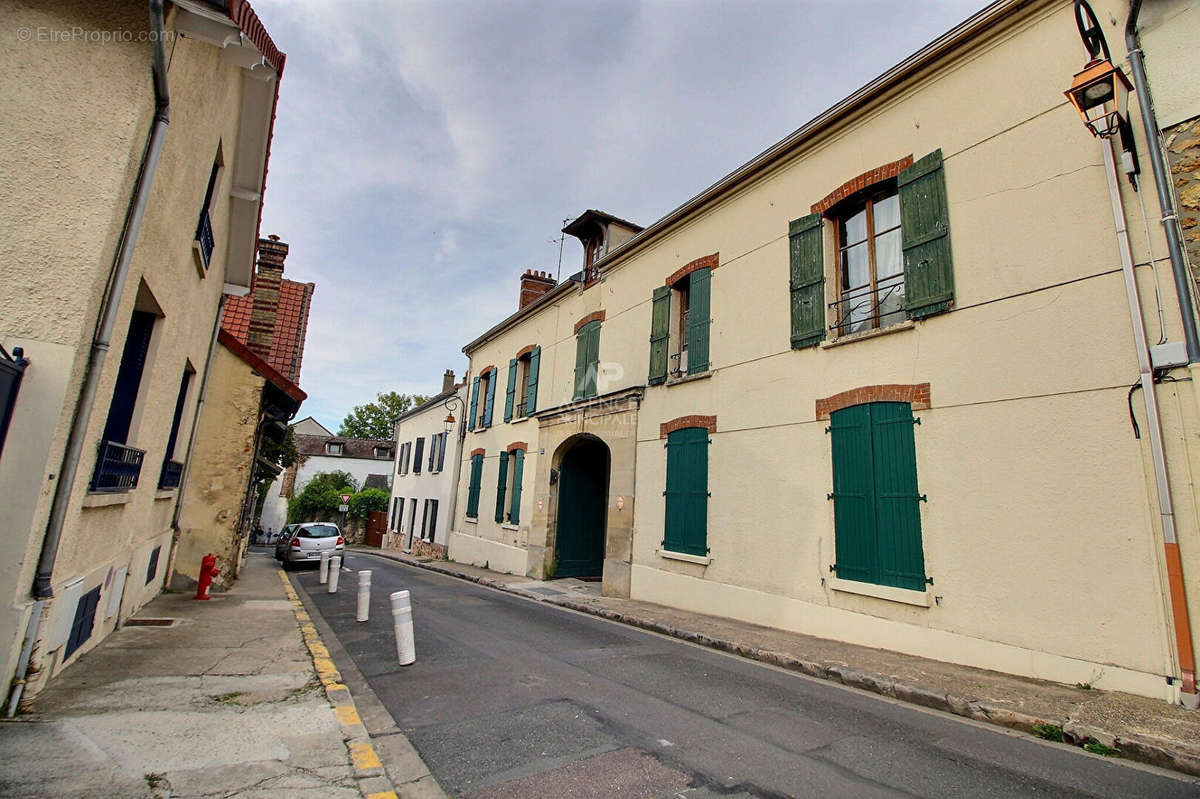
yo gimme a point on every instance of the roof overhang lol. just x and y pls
(255, 362)
(244, 43)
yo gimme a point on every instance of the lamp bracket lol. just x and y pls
(1090, 31)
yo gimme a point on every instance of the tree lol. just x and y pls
(378, 419)
(281, 453)
(367, 500)
(318, 501)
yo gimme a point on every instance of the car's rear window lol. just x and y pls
(317, 531)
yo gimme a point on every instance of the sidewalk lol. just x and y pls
(1146, 730)
(222, 701)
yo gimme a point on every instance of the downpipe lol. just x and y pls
(102, 338)
(1162, 183)
(1166, 509)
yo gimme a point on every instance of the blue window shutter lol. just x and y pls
(535, 359)
(474, 403)
(417, 455)
(518, 456)
(686, 523)
(699, 313)
(491, 399)
(501, 486)
(510, 393)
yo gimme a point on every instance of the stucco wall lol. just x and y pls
(1039, 531)
(74, 146)
(440, 485)
(219, 473)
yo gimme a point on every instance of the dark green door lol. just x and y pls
(582, 501)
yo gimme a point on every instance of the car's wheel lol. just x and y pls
(287, 564)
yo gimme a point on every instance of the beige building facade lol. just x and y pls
(189, 106)
(873, 386)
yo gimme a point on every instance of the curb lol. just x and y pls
(1143, 749)
(373, 782)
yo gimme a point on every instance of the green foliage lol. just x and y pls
(320, 497)
(281, 453)
(1097, 748)
(378, 419)
(1051, 732)
(367, 500)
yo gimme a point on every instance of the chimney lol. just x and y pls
(533, 285)
(265, 294)
(448, 380)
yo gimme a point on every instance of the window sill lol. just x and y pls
(850, 338)
(517, 419)
(165, 493)
(903, 595)
(103, 500)
(509, 526)
(471, 520)
(686, 558)
(678, 381)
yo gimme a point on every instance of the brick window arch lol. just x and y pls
(916, 395)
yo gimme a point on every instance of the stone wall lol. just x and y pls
(1183, 155)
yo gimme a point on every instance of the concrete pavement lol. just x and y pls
(220, 700)
(1138, 728)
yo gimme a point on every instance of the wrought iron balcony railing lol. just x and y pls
(170, 474)
(866, 308)
(117, 468)
(204, 237)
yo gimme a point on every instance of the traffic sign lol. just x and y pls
(343, 508)
(345, 499)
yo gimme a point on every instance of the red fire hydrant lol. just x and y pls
(208, 570)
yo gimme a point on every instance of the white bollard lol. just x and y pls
(335, 571)
(324, 566)
(406, 648)
(364, 594)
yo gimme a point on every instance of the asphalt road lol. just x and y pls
(513, 698)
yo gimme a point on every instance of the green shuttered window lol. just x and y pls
(501, 486)
(535, 361)
(491, 398)
(518, 459)
(473, 486)
(925, 236)
(686, 527)
(510, 393)
(877, 521)
(587, 360)
(474, 404)
(807, 280)
(660, 331)
(698, 320)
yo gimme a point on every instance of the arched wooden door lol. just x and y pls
(582, 506)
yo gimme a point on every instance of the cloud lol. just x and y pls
(426, 153)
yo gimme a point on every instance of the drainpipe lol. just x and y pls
(187, 458)
(102, 338)
(1166, 509)
(1162, 182)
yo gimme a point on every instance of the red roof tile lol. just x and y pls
(291, 325)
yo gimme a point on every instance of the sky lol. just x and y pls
(426, 153)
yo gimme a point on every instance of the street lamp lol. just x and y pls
(453, 403)
(1099, 85)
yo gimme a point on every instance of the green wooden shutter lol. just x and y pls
(491, 399)
(501, 486)
(660, 331)
(474, 404)
(686, 524)
(593, 359)
(473, 486)
(699, 312)
(925, 231)
(581, 355)
(510, 393)
(535, 359)
(897, 514)
(853, 493)
(807, 269)
(518, 456)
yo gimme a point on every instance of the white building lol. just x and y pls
(424, 486)
(367, 460)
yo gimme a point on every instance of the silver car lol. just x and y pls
(307, 541)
